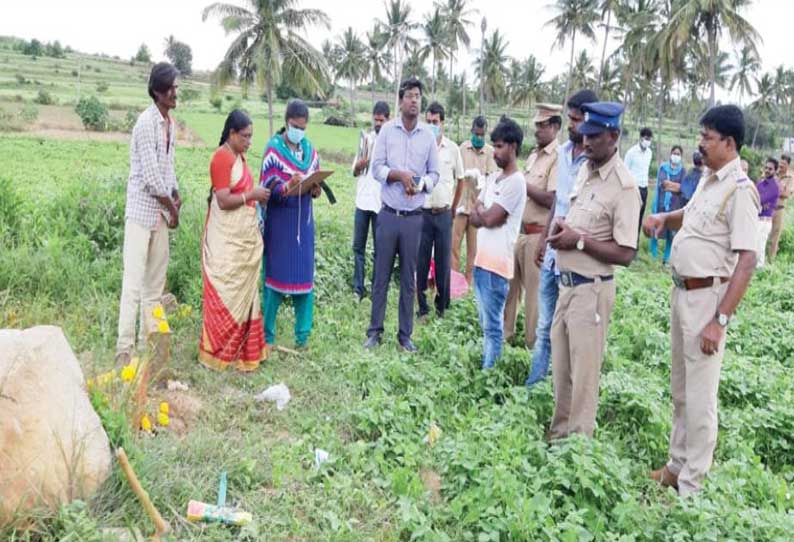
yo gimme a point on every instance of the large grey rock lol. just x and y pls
(53, 448)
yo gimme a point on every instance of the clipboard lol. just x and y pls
(316, 178)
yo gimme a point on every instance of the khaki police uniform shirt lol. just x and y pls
(720, 219)
(605, 206)
(481, 160)
(450, 169)
(786, 188)
(540, 172)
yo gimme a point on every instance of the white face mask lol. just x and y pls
(675, 159)
(645, 143)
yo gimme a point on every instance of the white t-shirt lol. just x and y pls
(367, 188)
(495, 245)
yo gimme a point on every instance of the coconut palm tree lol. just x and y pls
(710, 18)
(525, 83)
(583, 73)
(457, 15)
(352, 64)
(398, 26)
(747, 66)
(494, 70)
(639, 21)
(414, 65)
(436, 41)
(607, 8)
(764, 105)
(572, 17)
(377, 56)
(268, 41)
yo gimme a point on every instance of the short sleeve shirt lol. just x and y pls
(720, 219)
(605, 206)
(450, 169)
(540, 172)
(495, 245)
(483, 161)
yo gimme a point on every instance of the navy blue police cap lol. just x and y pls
(600, 117)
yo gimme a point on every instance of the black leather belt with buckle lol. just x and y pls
(569, 279)
(401, 213)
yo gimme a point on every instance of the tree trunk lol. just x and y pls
(660, 114)
(373, 88)
(433, 77)
(353, 102)
(398, 72)
(712, 37)
(755, 132)
(269, 86)
(570, 70)
(604, 50)
(482, 74)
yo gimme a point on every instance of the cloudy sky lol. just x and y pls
(118, 28)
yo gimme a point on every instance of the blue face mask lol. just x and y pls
(435, 129)
(478, 142)
(295, 135)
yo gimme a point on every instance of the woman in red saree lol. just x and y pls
(231, 256)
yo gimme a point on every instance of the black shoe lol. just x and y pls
(408, 347)
(372, 342)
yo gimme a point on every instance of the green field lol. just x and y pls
(489, 478)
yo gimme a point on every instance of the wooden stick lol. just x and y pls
(160, 525)
(287, 350)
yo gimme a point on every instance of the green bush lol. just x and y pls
(216, 102)
(102, 87)
(93, 113)
(29, 113)
(44, 98)
(189, 94)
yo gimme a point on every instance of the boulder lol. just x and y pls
(53, 448)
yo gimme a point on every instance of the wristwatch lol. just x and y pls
(580, 243)
(723, 319)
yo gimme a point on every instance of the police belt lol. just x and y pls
(695, 283)
(569, 279)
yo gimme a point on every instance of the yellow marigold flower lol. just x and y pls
(146, 423)
(162, 419)
(89, 384)
(163, 327)
(128, 373)
(158, 312)
(433, 434)
(164, 407)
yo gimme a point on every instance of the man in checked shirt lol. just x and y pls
(153, 205)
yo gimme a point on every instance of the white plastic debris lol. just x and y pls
(278, 393)
(320, 457)
(176, 385)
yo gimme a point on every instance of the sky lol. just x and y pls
(118, 28)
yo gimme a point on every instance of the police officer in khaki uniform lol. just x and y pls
(599, 232)
(478, 163)
(712, 261)
(541, 179)
(786, 179)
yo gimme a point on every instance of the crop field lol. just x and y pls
(421, 448)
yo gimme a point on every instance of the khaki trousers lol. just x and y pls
(145, 260)
(461, 227)
(778, 221)
(526, 277)
(578, 341)
(694, 381)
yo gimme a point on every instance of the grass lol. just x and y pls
(489, 477)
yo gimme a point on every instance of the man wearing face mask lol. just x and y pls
(598, 233)
(436, 237)
(638, 160)
(478, 162)
(367, 201)
(406, 165)
(541, 182)
(769, 192)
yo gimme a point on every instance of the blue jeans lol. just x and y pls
(490, 291)
(364, 220)
(548, 291)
